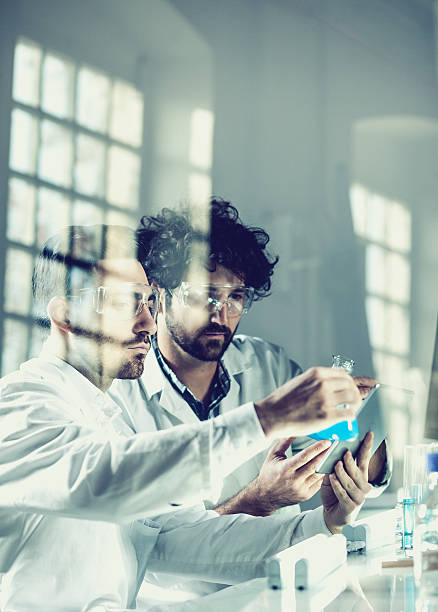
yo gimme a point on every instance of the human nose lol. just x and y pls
(220, 312)
(145, 322)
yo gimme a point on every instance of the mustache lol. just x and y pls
(99, 338)
(139, 339)
(215, 328)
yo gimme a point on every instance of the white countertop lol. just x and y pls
(360, 585)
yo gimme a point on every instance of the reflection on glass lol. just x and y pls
(56, 154)
(86, 213)
(123, 177)
(53, 213)
(93, 90)
(24, 138)
(21, 211)
(201, 138)
(126, 122)
(114, 217)
(375, 269)
(14, 352)
(89, 165)
(27, 62)
(199, 187)
(19, 266)
(57, 86)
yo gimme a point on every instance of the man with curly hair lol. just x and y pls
(199, 368)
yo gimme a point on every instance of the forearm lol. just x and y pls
(245, 502)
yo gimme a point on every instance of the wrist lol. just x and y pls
(331, 526)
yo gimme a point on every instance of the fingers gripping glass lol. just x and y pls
(123, 302)
(213, 297)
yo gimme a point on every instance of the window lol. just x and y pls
(75, 157)
(200, 155)
(384, 226)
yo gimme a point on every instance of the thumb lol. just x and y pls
(280, 447)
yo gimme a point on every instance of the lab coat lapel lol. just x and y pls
(155, 382)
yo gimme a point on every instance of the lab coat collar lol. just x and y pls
(235, 360)
(93, 396)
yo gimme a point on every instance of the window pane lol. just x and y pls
(27, 62)
(24, 138)
(57, 94)
(89, 166)
(398, 228)
(38, 336)
(201, 138)
(56, 154)
(397, 329)
(375, 269)
(114, 217)
(376, 218)
(126, 122)
(375, 309)
(86, 213)
(199, 187)
(53, 213)
(358, 196)
(123, 177)
(92, 99)
(15, 335)
(19, 266)
(21, 211)
(399, 278)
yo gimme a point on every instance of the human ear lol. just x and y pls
(57, 309)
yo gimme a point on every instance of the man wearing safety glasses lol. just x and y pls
(199, 368)
(76, 482)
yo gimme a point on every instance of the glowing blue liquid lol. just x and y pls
(345, 430)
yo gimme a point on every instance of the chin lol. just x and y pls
(132, 369)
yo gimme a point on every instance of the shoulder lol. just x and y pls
(31, 377)
(252, 350)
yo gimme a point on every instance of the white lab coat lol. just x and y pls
(76, 484)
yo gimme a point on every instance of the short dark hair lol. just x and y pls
(68, 260)
(237, 247)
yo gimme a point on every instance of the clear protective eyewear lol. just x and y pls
(238, 301)
(125, 301)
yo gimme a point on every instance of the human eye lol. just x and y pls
(153, 304)
(196, 296)
(125, 303)
(237, 296)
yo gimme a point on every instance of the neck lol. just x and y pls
(195, 374)
(60, 347)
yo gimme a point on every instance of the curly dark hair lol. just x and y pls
(171, 237)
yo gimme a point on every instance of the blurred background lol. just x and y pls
(318, 119)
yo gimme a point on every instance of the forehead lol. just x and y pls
(224, 276)
(112, 272)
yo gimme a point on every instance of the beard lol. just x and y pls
(196, 344)
(108, 350)
(132, 369)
